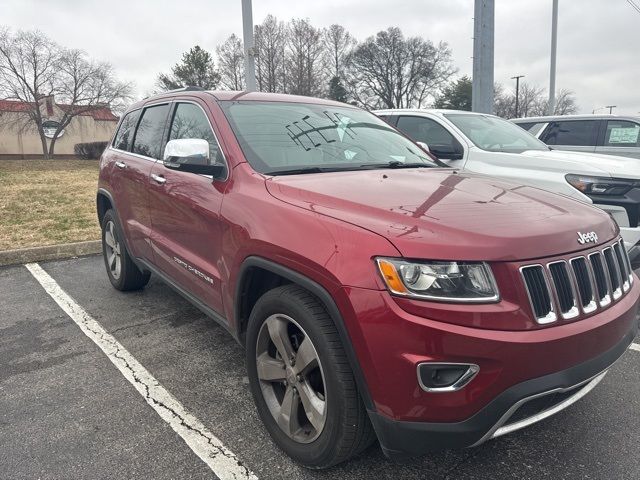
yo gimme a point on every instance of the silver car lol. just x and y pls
(608, 134)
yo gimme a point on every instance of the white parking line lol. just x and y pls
(635, 346)
(224, 464)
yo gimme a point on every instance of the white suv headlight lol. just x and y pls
(443, 281)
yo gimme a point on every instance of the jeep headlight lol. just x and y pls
(439, 280)
(600, 185)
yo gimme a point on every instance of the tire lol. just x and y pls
(325, 386)
(123, 273)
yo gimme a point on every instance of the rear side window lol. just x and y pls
(532, 127)
(189, 121)
(621, 133)
(574, 132)
(122, 140)
(148, 139)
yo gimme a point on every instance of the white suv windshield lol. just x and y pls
(495, 134)
(287, 138)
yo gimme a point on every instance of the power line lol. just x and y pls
(635, 7)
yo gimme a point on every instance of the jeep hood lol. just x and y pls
(588, 163)
(442, 214)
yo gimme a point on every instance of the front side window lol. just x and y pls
(122, 140)
(622, 133)
(189, 121)
(148, 139)
(495, 134)
(572, 132)
(425, 130)
(285, 137)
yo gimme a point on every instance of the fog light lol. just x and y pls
(445, 377)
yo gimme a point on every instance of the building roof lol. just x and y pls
(102, 113)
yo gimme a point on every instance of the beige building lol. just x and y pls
(96, 125)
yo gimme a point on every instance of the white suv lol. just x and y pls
(493, 146)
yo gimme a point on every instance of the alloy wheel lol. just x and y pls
(112, 250)
(291, 378)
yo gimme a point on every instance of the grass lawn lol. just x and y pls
(46, 202)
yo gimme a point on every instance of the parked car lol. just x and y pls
(493, 146)
(609, 134)
(378, 293)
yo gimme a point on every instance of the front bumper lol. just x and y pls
(406, 439)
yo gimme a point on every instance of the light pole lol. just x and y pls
(552, 71)
(517, 79)
(610, 107)
(249, 46)
(483, 35)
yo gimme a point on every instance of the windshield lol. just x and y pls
(279, 137)
(495, 134)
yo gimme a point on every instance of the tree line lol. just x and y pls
(386, 70)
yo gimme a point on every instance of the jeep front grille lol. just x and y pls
(566, 288)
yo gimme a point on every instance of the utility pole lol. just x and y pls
(552, 71)
(483, 35)
(610, 107)
(517, 79)
(249, 46)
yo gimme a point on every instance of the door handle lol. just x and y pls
(121, 165)
(158, 179)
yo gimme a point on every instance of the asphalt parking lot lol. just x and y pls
(67, 412)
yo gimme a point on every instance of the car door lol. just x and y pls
(129, 174)
(441, 142)
(575, 135)
(620, 137)
(185, 212)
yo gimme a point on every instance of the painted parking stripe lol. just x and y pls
(635, 346)
(224, 463)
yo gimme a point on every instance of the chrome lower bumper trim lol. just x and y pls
(503, 428)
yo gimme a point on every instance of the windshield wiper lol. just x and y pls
(298, 171)
(397, 164)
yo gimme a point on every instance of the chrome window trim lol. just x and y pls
(592, 305)
(551, 316)
(607, 300)
(463, 381)
(573, 311)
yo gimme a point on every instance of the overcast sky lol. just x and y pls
(598, 41)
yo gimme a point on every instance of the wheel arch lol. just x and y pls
(279, 275)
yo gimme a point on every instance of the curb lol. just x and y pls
(49, 252)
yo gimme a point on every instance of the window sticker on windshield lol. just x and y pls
(342, 126)
(624, 134)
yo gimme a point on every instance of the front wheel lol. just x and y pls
(123, 273)
(301, 380)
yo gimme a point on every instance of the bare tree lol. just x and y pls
(532, 102)
(34, 70)
(231, 63)
(28, 70)
(338, 43)
(304, 60)
(393, 72)
(270, 49)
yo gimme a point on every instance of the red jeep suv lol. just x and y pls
(378, 294)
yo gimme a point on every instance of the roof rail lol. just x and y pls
(190, 88)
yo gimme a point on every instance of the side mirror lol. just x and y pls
(191, 155)
(447, 152)
(424, 146)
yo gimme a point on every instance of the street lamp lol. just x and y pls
(517, 79)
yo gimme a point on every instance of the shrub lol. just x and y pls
(89, 150)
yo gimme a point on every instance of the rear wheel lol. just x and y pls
(301, 380)
(122, 271)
